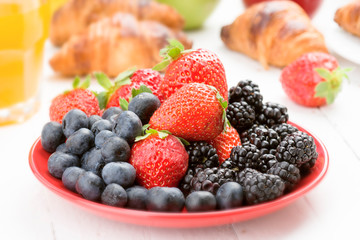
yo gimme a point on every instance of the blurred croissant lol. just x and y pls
(113, 45)
(348, 17)
(275, 33)
(76, 15)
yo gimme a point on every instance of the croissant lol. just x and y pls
(113, 45)
(348, 17)
(76, 15)
(275, 33)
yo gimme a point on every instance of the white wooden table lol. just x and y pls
(330, 211)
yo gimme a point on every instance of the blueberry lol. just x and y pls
(52, 136)
(230, 195)
(114, 195)
(200, 201)
(73, 121)
(165, 199)
(110, 112)
(58, 162)
(93, 119)
(90, 186)
(128, 126)
(136, 197)
(121, 173)
(80, 141)
(100, 125)
(144, 105)
(93, 161)
(113, 119)
(102, 136)
(70, 177)
(62, 148)
(115, 149)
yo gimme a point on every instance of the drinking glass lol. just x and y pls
(24, 27)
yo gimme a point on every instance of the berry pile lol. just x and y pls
(181, 147)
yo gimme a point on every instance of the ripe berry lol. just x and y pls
(93, 161)
(144, 105)
(90, 186)
(80, 141)
(136, 197)
(108, 113)
(70, 177)
(230, 195)
(121, 173)
(128, 126)
(102, 136)
(115, 149)
(200, 201)
(73, 121)
(101, 125)
(58, 162)
(247, 91)
(52, 136)
(114, 195)
(93, 119)
(165, 199)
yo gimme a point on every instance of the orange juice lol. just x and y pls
(24, 26)
(55, 4)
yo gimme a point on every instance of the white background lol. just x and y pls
(330, 211)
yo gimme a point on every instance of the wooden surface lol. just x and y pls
(330, 211)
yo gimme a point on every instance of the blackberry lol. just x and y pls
(306, 167)
(289, 173)
(271, 114)
(266, 161)
(241, 115)
(241, 157)
(246, 91)
(184, 185)
(260, 187)
(210, 179)
(202, 153)
(297, 148)
(284, 129)
(264, 138)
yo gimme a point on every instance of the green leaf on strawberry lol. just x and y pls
(111, 86)
(124, 104)
(102, 98)
(76, 82)
(162, 134)
(136, 91)
(224, 105)
(171, 52)
(329, 88)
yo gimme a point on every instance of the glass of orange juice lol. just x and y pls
(24, 26)
(55, 4)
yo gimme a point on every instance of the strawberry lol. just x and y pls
(225, 142)
(313, 80)
(79, 97)
(195, 112)
(124, 83)
(159, 159)
(182, 67)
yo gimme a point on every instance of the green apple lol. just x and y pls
(195, 12)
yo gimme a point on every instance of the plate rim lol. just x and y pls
(165, 219)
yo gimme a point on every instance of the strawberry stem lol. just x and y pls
(331, 86)
(170, 53)
(162, 134)
(224, 105)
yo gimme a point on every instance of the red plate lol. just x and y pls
(38, 163)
